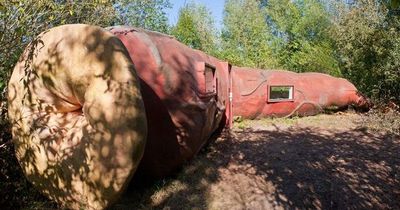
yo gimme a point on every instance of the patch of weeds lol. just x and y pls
(266, 122)
(383, 119)
(242, 125)
(285, 120)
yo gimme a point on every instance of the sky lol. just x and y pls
(215, 6)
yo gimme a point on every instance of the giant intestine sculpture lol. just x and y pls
(90, 107)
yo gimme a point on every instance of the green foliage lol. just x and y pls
(148, 14)
(195, 28)
(20, 21)
(245, 36)
(394, 4)
(302, 42)
(185, 30)
(368, 42)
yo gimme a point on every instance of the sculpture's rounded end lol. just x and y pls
(77, 115)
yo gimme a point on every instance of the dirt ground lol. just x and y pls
(320, 162)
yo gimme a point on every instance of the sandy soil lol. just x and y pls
(320, 162)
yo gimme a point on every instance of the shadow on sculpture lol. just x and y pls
(78, 122)
(83, 102)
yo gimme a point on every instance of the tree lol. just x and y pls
(302, 40)
(245, 35)
(147, 14)
(21, 21)
(195, 28)
(368, 42)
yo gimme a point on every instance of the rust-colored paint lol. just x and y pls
(188, 95)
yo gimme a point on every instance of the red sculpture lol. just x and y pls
(259, 93)
(187, 96)
(185, 93)
(190, 91)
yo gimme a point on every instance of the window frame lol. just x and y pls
(270, 100)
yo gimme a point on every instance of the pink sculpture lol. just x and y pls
(90, 107)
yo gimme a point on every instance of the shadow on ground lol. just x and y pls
(270, 167)
(283, 168)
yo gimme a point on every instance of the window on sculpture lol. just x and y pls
(279, 93)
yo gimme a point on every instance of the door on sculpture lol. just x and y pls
(210, 79)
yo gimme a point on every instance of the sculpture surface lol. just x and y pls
(89, 106)
(259, 93)
(77, 116)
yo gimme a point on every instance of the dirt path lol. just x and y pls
(320, 162)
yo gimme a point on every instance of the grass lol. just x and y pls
(265, 122)
(316, 120)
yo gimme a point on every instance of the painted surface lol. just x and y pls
(312, 93)
(187, 96)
